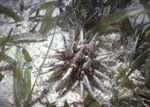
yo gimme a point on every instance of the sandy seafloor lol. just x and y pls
(37, 52)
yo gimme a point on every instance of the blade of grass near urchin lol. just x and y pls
(7, 59)
(46, 20)
(10, 13)
(40, 68)
(23, 37)
(18, 78)
(90, 102)
(43, 6)
(147, 74)
(27, 86)
(104, 24)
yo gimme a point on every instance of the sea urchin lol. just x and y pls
(80, 66)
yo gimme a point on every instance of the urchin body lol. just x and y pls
(80, 66)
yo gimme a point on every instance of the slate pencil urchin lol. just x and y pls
(80, 66)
